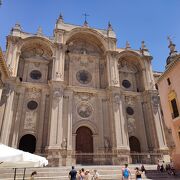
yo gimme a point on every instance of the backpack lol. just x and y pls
(126, 173)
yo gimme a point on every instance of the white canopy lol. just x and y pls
(10, 157)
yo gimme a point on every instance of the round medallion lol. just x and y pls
(83, 76)
(129, 110)
(35, 74)
(32, 105)
(126, 83)
(84, 110)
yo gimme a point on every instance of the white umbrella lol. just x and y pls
(10, 157)
(14, 158)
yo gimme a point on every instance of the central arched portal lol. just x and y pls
(84, 145)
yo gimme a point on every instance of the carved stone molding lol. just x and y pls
(84, 96)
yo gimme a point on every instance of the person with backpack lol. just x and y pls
(126, 174)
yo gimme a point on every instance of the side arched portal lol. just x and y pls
(135, 148)
(28, 143)
(134, 144)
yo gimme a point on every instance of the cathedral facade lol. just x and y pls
(77, 98)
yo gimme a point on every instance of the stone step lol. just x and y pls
(61, 173)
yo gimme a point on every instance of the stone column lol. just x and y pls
(7, 120)
(40, 122)
(18, 117)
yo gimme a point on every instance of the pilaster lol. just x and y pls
(18, 116)
(40, 124)
(7, 120)
(55, 126)
(58, 62)
(120, 125)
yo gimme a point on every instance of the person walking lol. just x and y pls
(138, 174)
(95, 175)
(72, 174)
(126, 173)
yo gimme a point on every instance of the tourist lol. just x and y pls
(143, 169)
(78, 176)
(82, 175)
(72, 174)
(126, 173)
(138, 174)
(87, 175)
(32, 175)
(158, 166)
(95, 175)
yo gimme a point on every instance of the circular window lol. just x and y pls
(35, 74)
(83, 76)
(126, 83)
(84, 110)
(32, 105)
(129, 110)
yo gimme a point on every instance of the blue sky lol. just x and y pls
(132, 20)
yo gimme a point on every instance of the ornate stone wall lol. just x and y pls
(80, 79)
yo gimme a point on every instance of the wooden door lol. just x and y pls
(84, 145)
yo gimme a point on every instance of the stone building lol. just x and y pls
(77, 98)
(169, 90)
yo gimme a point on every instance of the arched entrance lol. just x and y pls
(84, 145)
(28, 143)
(135, 147)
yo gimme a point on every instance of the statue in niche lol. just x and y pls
(64, 143)
(106, 144)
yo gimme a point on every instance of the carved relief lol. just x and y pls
(130, 100)
(33, 93)
(131, 126)
(30, 120)
(125, 66)
(84, 110)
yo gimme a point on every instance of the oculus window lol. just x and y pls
(32, 105)
(126, 84)
(129, 110)
(35, 74)
(83, 76)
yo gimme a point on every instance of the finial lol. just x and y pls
(110, 26)
(60, 19)
(171, 46)
(143, 48)
(85, 21)
(128, 45)
(39, 31)
(17, 27)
